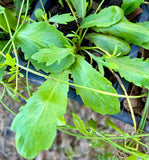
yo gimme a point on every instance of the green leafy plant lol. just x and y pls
(60, 56)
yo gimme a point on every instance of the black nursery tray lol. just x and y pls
(124, 116)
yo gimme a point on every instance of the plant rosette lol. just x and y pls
(64, 56)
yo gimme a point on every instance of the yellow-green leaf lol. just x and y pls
(84, 75)
(130, 5)
(53, 54)
(108, 43)
(36, 123)
(79, 124)
(105, 18)
(134, 70)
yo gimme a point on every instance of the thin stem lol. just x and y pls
(79, 86)
(7, 107)
(43, 6)
(99, 6)
(106, 139)
(20, 14)
(128, 100)
(15, 51)
(85, 48)
(73, 13)
(17, 93)
(144, 116)
(27, 82)
(80, 41)
(8, 86)
(18, 28)
(90, 5)
(115, 137)
(2, 54)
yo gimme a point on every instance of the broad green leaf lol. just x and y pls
(134, 70)
(35, 36)
(55, 67)
(84, 75)
(108, 43)
(105, 18)
(39, 35)
(111, 124)
(79, 124)
(36, 123)
(144, 24)
(52, 54)
(128, 31)
(80, 7)
(143, 156)
(62, 19)
(130, 5)
(132, 157)
(10, 17)
(145, 45)
(39, 14)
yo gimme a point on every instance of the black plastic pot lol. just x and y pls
(124, 116)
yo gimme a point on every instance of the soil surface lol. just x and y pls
(65, 147)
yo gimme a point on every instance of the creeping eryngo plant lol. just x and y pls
(62, 57)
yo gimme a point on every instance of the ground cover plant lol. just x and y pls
(64, 57)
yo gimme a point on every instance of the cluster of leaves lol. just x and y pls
(49, 50)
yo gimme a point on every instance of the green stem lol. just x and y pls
(7, 86)
(128, 100)
(15, 52)
(107, 140)
(90, 5)
(7, 107)
(42, 6)
(20, 14)
(27, 82)
(85, 48)
(99, 6)
(144, 116)
(17, 93)
(12, 38)
(76, 85)
(73, 13)
(101, 138)
(82, 36)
